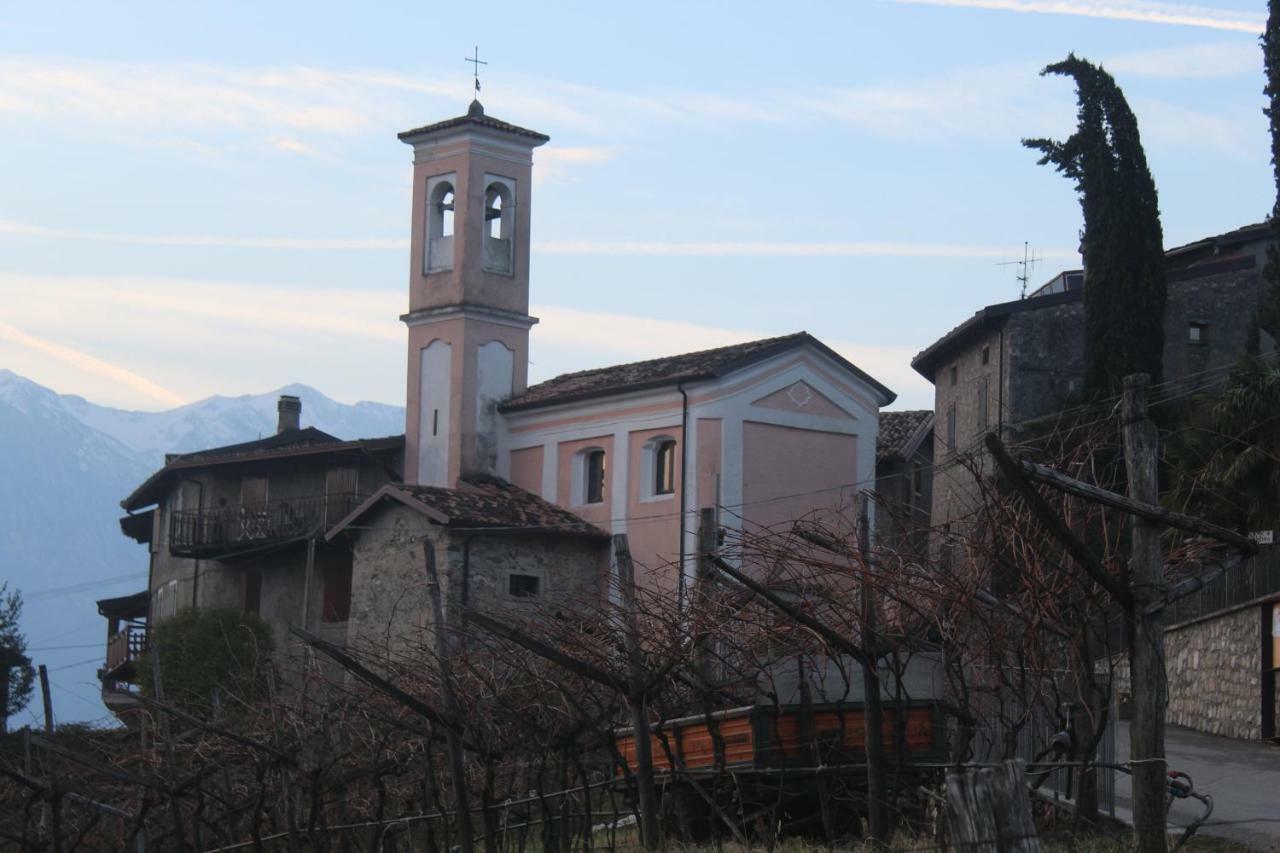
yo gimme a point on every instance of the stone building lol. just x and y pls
(904, 480)
(242, 527)
(494, 546)
(1015, 362)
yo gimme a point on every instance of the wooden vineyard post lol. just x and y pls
(989, 811)
(1146, 626)
(646, 795)
(873, 714)
(453, 740)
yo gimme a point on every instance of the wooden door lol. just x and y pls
(340, 489)
(253, 507)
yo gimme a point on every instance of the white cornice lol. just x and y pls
(497, 316)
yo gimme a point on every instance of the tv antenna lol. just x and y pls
(1025, 265)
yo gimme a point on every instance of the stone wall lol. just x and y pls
(1214, 668)
(390, 605)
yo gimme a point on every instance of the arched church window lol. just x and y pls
(664, 467)
(440, 210)
(499, 225)
(439, 224)
(446, 214)
(493, 214)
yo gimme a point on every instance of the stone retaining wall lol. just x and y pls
(1214, 667)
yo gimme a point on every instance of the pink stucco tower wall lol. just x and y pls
(468, 316)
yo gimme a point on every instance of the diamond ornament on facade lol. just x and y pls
(799, 394)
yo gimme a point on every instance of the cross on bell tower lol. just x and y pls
(468, 291)
(476, 62)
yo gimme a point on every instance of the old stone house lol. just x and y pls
(242, 527)
(1014, 362)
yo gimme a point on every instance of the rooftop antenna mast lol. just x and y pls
(1025, 265)
(476, 62)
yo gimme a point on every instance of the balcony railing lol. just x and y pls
(123, 650)
(228, 528)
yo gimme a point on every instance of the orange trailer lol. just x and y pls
(776, 766)
(762, 736)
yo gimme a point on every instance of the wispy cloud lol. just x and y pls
(348, 340)
(615, 248)
(291, 146)
(90, 364)
(558, 161)
(1122, 10)
(353, 244)
(302, 110)
(1188, 62)
(746, 249)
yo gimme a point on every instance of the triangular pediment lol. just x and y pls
(802, 398)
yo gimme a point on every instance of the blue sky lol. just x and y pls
(211, 199)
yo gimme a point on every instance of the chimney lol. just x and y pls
(290, 409)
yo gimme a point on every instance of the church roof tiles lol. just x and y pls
(475, 117)
(671, 370)
(480, 500)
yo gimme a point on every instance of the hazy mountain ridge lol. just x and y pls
(218, 420)
(65, 465)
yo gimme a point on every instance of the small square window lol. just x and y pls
(986, 355)
(955, 373)
(522, 586)
(1198, 334)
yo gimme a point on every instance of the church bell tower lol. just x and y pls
(468, 292)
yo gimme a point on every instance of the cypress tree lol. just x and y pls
(1269, 314)
(1123, 244)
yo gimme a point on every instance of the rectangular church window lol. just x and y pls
(595, 473)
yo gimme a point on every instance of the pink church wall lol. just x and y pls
(653, 522)
(466, 336)
(709, 454)
(526, 469)
(601, 513)
(790, 472)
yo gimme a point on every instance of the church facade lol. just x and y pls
(763, 431)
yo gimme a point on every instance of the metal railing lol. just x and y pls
(1242, 582)
(126, 647)
(246, 524)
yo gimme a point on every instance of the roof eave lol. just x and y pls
(390, 491)
(913, 444)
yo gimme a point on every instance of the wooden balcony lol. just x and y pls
(236, 527)
(123, 651)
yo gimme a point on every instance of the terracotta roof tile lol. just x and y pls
(896, 431)
(658, 372)
(486, 501)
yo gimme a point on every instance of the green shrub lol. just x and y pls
(204, 652)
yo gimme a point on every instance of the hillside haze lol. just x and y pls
(65, 465)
